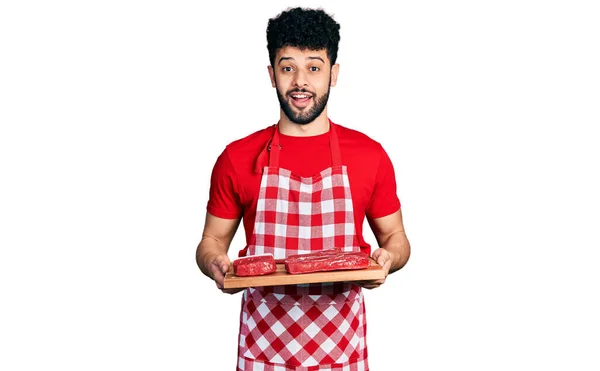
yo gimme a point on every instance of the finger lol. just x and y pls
(376, 254)
(222, 262)
(221, 284)
(231, 291)
(374, 282)
(368, 284)
(218, 276)
(383, 257)
(225, 265)
(362, 284)
(225, 268)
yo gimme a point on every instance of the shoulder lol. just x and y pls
(355, 141)
(250, 145)
(258, 138)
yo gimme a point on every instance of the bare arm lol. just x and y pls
(394, 248)
(211, 254)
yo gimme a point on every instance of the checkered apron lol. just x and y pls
(303, 327)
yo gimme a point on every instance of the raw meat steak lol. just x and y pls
(326, 260)
(254, 265)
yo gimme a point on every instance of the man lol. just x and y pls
(303, 185)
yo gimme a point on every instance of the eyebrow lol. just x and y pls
(319, 58)
(285, 59)
(292, 59)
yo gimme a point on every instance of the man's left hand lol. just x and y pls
(384, 259)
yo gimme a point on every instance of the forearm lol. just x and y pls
(399, 248)
(207, 250)
(212, 250)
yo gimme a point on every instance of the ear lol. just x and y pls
(335, 70)
(272, 76)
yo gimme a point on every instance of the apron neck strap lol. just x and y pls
(336, 158)
(274, 147)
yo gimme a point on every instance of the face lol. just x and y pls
(302, 79)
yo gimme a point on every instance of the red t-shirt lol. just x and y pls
(235, 180)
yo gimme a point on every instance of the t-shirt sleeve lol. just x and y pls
(384, 200)
(224, 201)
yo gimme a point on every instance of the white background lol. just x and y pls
(112, 114)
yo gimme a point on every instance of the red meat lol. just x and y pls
(326, 260)
(255, 265)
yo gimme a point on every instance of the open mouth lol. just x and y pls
(300, 100)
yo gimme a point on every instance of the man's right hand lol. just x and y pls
(211, 254)
(218, 265)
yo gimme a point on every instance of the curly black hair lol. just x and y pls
(305, 29)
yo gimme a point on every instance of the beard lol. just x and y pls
(307, 115)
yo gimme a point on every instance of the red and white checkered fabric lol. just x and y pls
(303, 332)
(296, 215)
(254, 365)
(303, 327)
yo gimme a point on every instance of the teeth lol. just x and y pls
(300, 96)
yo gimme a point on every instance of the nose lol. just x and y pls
(300, 79)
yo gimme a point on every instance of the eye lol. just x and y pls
(287, 69)
(314, 69)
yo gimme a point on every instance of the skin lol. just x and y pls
(303, 69)
(310, 71)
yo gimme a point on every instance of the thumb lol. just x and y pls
(221, 262)
(375, 254)
(379, 256)
(225, 265)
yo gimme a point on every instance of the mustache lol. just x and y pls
(300, 91)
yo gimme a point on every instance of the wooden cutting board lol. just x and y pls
(282, 277)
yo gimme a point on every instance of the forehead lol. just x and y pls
(299, 55)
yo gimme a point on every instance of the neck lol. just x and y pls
(320, 125)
